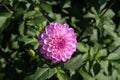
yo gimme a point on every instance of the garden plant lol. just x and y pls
(59, 39)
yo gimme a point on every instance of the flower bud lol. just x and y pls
(31, 52)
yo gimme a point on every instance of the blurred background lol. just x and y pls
(97, 27)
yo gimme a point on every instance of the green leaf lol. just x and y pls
(23, 1)
(41, 74)
(85, 56)
(28, 40)
(61, 75)
(89, 15)
(15, 45)
(103, 52)
(85, 75)
(48, 74)
(37, 74)
(82, 47)
(110, 29)
(31, 41)
(113, 56)
(101, 76)
(38, 18)
(114, 74)
(11, 2)
(96, 68)
(21, 28)
(92, 53)
(109, 14)
(102, 6)
(104, 66)
(29, 14)
(94, 36)
(2, 21)
(74, 63)
(67, 4)
(46, 7)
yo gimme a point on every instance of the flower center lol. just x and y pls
(57, 43)
(60, 44)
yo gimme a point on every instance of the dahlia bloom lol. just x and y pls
(58, 42)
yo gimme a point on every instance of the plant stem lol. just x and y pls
(80, 35)
(10, 11)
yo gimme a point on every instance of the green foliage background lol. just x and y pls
(96, 24)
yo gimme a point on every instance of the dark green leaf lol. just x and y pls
(41, 74)
(15, 45)
(21, 28)
(46, 7)
(2, 21)
(29, 14)
(61, 75)
(85, 75)
(48, 74)
(96, 68)
(74, 63)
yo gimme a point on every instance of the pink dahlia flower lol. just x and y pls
(58, 42)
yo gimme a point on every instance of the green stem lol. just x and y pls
(80, 35)
(10, 11)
